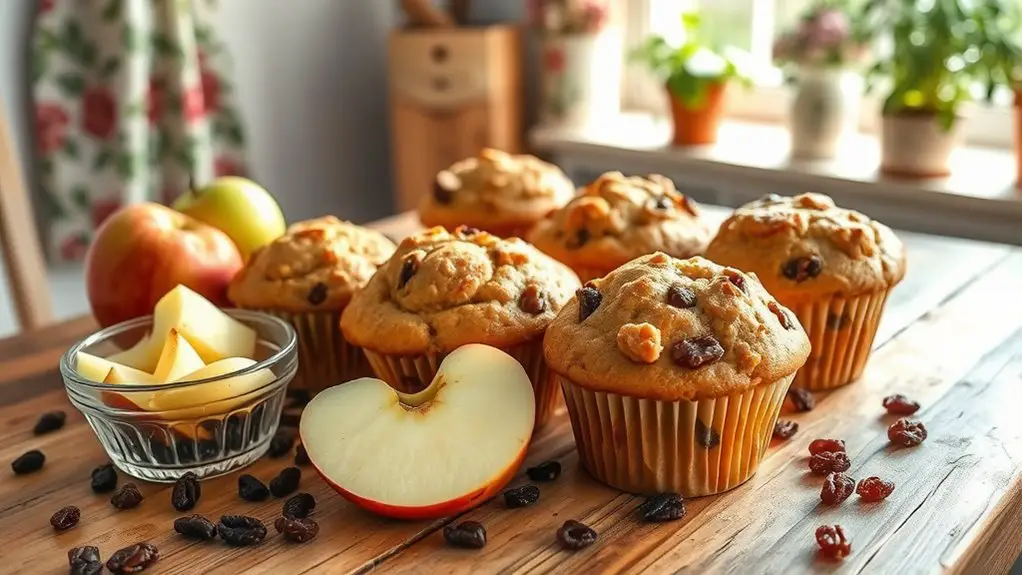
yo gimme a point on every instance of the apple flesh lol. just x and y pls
(431, 454)
(241, 208)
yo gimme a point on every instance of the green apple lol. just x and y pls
(240, 208)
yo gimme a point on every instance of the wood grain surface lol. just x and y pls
(951, 339)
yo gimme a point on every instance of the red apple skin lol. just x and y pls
(144, 250)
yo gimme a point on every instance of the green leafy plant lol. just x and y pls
(691, 69)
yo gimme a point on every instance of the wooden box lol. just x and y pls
(452, 92)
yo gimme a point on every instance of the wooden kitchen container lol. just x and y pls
(452, 92)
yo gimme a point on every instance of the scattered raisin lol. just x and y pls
(286, 481)
(317, 294)
(821, 445)
(662, 507)
(50, 421)
(802, 399)
(104, 478)
(133, 559)
(409, 266)
(898, 404)
(803, 268)
(288, 420)
(832, 542)
(467, 534)
(837, 322)
(836, 488)
(296, 529)
(65, 518)
(546, 471)
(873, 489)
(575, 535)
(241, 530)
(523, 496)
(186, 492)
(829, 461)
(28, 462)
(782, 315)
(86, 553)
(706, 436)
(128, 497)
(785, 429)
(735, 277)
(299, 506)
(906, 432)
(86, 568)
(532, 300)
(251, 489)
(681, 297)
(589, 299)
(281, 444)
(697, 351)
(195, 527)
(298, 397)
(301, 456)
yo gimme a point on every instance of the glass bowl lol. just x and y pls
(190, 430)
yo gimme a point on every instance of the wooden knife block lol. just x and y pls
(452, 92)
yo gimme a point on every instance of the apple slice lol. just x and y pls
(92, 367)
(431, 454)
(128, 376)
(212, 333)
(216, 397)
(177, 359)
(141, 356)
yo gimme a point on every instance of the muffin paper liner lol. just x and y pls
(412, 373)
(841, 331)
(693, 448)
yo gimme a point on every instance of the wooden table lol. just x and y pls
(950, 338)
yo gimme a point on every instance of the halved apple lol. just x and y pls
(432, 454)
(177, 359)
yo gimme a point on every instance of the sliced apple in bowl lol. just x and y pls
(431, 454)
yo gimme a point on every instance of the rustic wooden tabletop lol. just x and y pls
(950, 339)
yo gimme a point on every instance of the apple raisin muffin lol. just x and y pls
(307, 277)
(498, 192)
(833, 267)
(442, 290)
(616, 219)
(674, 372)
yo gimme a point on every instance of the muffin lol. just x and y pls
(442, 290)
(616, 219)
(307, 277)
(674, 372)
(496, 192)
(833, 267)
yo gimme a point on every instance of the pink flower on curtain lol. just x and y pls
(99, 112)
(155, 100)
(50, 127)
(103, 208)
(74, 246)
(45, 6)
(193, 106)
(210, 90)
(554, 60)
(225, 166)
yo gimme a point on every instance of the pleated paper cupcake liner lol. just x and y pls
(412, 373)
(841, 331)
(694, 448)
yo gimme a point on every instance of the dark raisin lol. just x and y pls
(681, 297)
(837, 322)
(898, 404)
(783, 315)
(821, 445)
(802, 399)
(85, 553)
(801, 269)
(662, 202)
(832, 542)
(706, 436)
(906, 432)
(836, 488)
(467, 534)
(186, 492)
(286, 481)
(785, 429)
(104, 478)
(662, 507)
(581, 238)
(296, 529)
(281, 444)
(298, 397)
(299, 506)
(409, 266)
(546, 471)
(873, 489)
(251, 489)
(532, 300)
(466, 231)
(241, 530)
(829, 462)
(28, 462)
(86, 568)
(128, 497)
(301, 456)
(288, 420)
(523, 496)
(735, 277)
(195, 527)
(317, 294)
(697, 351)
(133, 559)
(589, 299)
(441, 192)
(51, 421)
(575, 535)
(65, 518)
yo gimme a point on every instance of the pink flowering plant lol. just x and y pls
(825, 35)
(555, 17)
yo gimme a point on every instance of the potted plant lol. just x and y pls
(941, 52)
(820, 52)
(696, 77)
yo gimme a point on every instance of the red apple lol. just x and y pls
(143, 251)
(431, 454)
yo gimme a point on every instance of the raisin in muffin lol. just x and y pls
(307, 277)
(442, 290)
(616, 219)
(833, 267)
(674, 372)
(497, 192)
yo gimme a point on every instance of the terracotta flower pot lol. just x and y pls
(915, 145)
(698, 126)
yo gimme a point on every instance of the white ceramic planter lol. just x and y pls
(581, 78)
(824, 111)
(915, 145)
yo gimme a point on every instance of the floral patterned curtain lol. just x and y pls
(132, 99)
